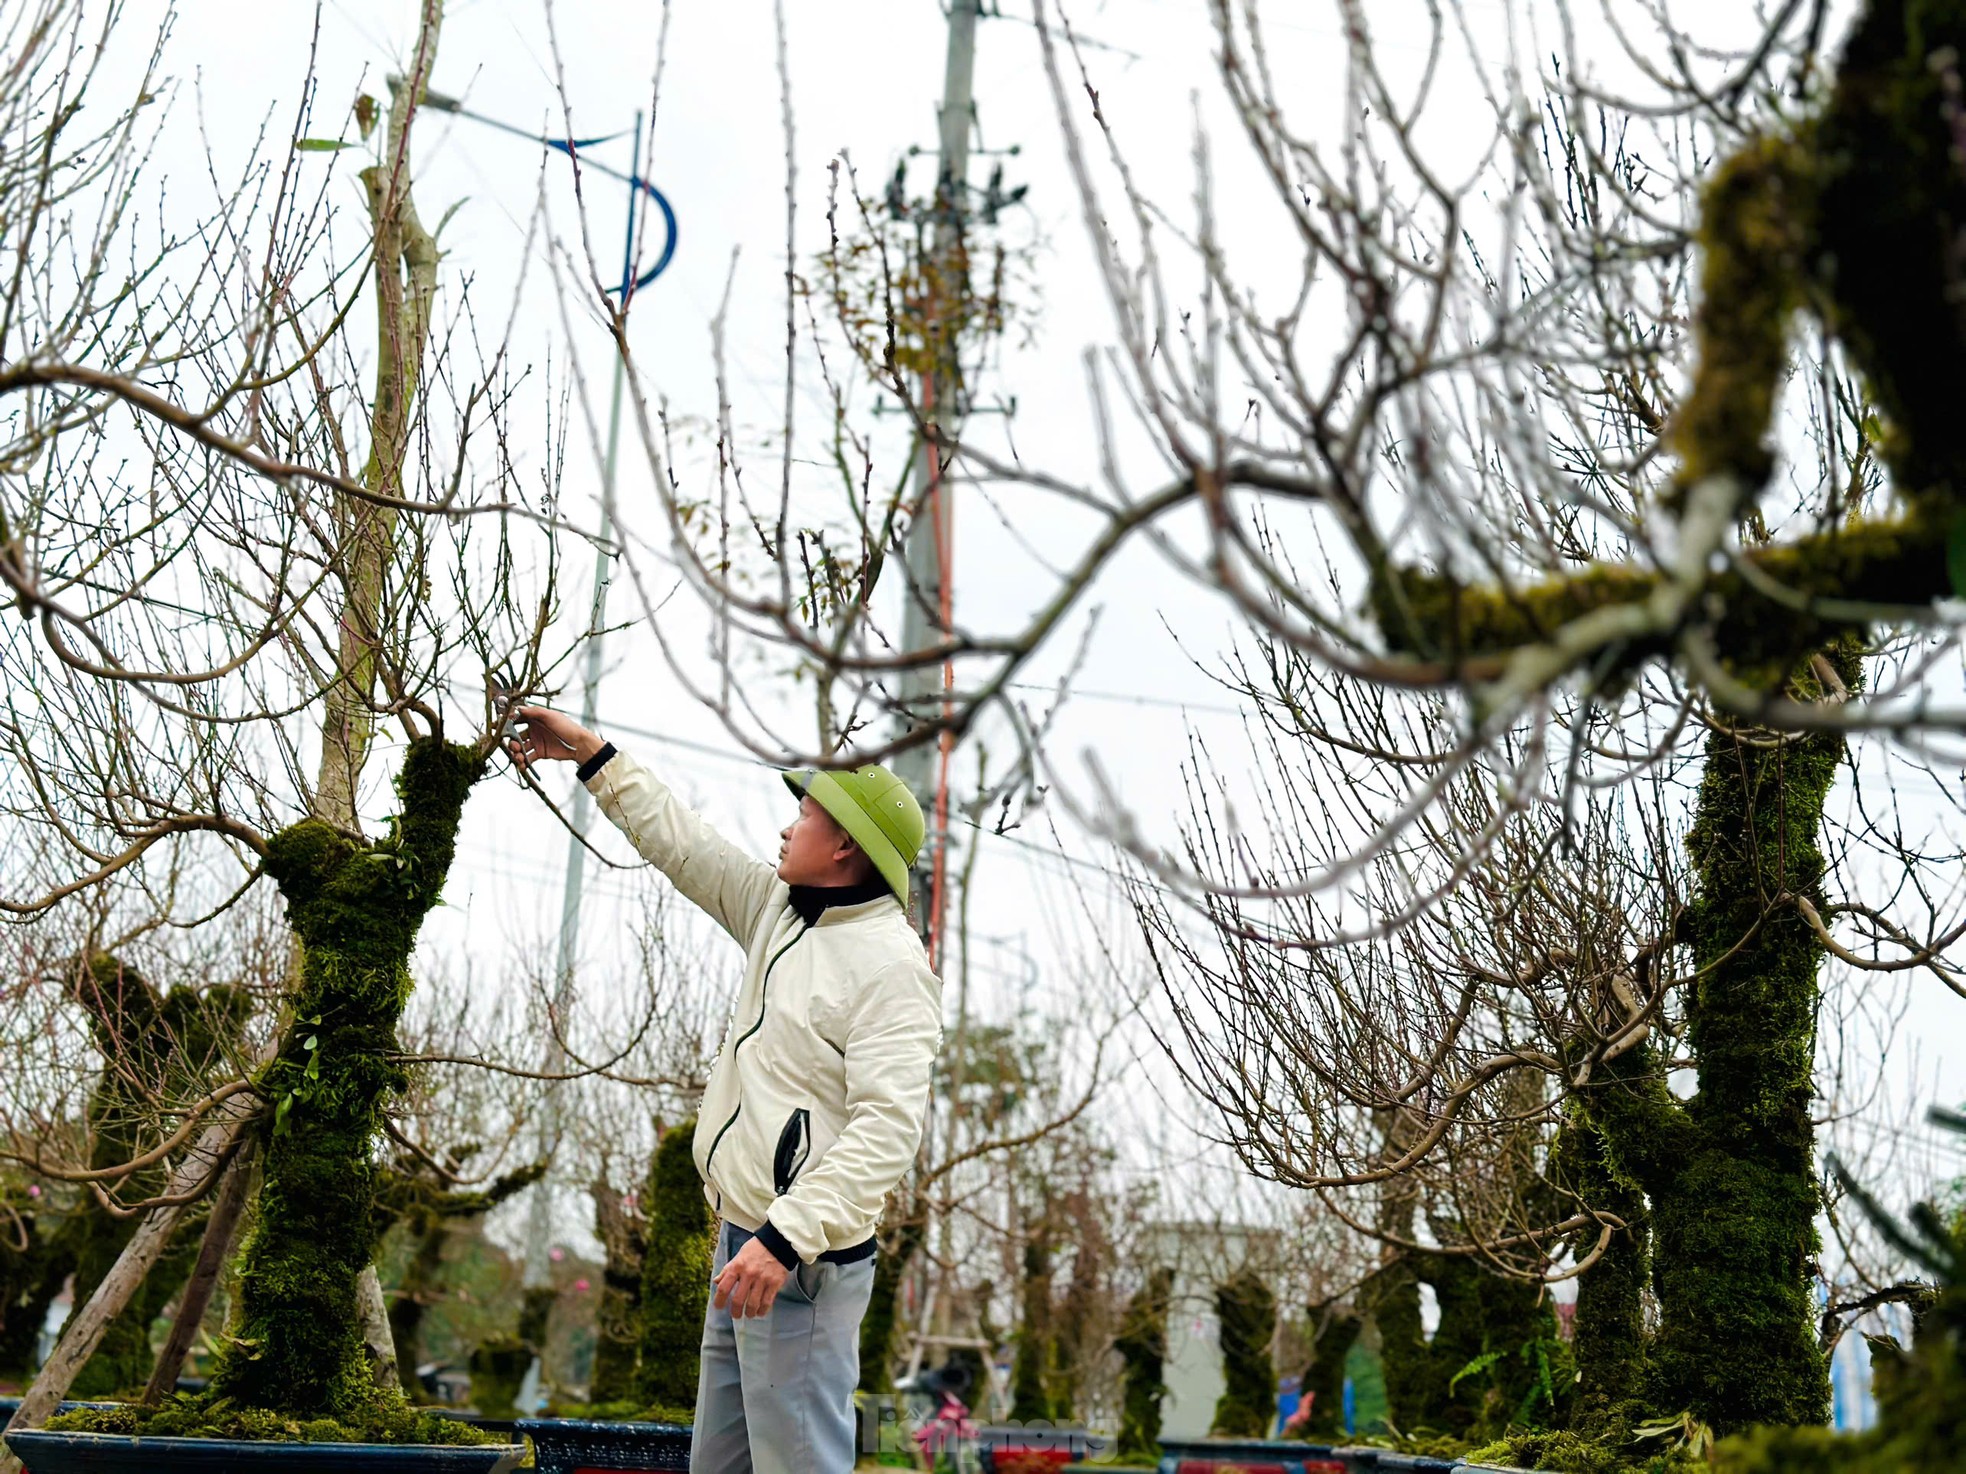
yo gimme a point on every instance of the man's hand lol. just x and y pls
(550, 736)
(751, 1281)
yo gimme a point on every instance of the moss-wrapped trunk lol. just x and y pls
(1323, 1382)
(1246, 1312)
(1731, 1172)
(1076, 1322)
(1735, 1226)
(1390, 1299)
(877, 1326)
(1608, 1340)
(681, 1238)
(297, 1343)
(407, 1312)
(1030, 1397)
(1142, 1348)
(618, 1311)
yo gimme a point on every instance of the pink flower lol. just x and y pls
(581, 1286)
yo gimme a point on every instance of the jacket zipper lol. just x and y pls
(764, 984)
(794, 1146)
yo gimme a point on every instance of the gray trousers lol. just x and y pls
(775, 1394)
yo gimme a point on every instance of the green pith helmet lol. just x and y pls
(876, 808)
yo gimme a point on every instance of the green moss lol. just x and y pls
(1494, 1360)
(1564, 1452)
(1246, 1312)
(626, 1410)
(35, 1259)
(1895, 560)
(1077, 1311)
(1756, 219)
(1142, 1347)
(1921, 1394)
(381, 1420)
(1414, 1389)
(296, 1345)
(681, 1240)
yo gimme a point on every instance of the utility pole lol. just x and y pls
(538, 1278)
(537, 1282)
(926, 620)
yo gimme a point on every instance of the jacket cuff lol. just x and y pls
(588, 770)
(780, 1247)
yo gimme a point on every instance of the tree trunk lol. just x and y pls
(221, 1227)
(1731, 1172)
(1030, 1400)
(617, 1318)
(1608, 1344)
(299, 1342)
(412, 1303)
(1736, 1226)
(1323, 1381)
(376, 1335)
(1142, 1347)
(877, 1326)
(680, 1238)
(1246, 1311)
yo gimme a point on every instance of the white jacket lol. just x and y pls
(815, 1103)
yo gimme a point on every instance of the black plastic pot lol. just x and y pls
(1269, 1456)
(563, 1445)
(118, 1453)
(1198, 1455)
(1385, 1461)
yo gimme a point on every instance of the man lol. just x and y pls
(815, 1103)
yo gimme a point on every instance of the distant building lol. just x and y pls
(1202, 1256)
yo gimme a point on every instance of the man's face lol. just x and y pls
(814, 850)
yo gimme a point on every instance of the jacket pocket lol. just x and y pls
(794, 1146)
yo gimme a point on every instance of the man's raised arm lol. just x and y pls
(707, 868)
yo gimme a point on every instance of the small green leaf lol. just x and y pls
(320, 145)
(1480, 1364)
(313, 1042)
(280, 1114)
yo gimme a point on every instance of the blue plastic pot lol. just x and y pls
(563, 1445)
(118, 1453)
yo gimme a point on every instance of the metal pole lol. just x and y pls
(539, 1217)
(925, 619)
